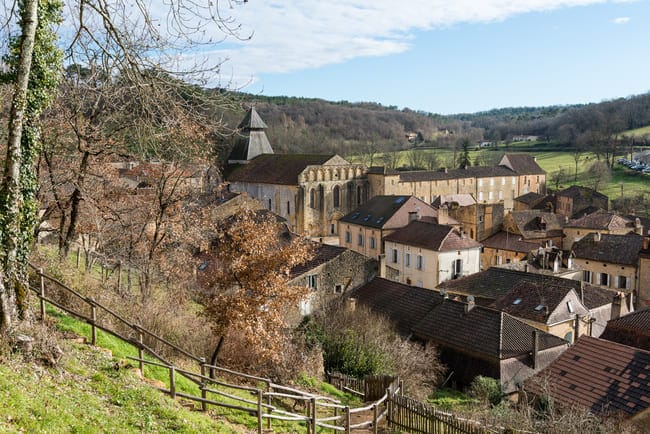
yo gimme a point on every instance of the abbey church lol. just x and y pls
(313, 191)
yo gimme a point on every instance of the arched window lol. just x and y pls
(336, 196)
(312, 198)
(359, 195)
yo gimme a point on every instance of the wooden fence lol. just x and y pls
(265, 403)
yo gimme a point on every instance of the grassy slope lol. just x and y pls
(638, 132)
(90, 391)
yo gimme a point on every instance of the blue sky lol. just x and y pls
(442, 56)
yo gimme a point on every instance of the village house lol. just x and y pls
(472, 340)
(424, 254)
(563, 307)
(523, 232)
(515, 174)
(611, 262)
(599, 221)
(632, 329)
(330, 273)
(310, 191)
(603, 377)
(528, 201)
(643, 297)
(478, 220)
(573, 201)
(364, 229)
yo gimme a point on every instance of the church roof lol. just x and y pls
(252, 140)
(282, 169)
(252, 120)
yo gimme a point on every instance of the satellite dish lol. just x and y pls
(470, 299)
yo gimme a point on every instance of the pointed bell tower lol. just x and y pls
(251, 140)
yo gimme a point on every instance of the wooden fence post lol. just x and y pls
(375, 421)
(42, 278)
(204, 394)
(172, 382)
(389, 401)
(260, 399)
(347, 419)
(313, 414)
(93, 320)
(78, 257)
(269, 402)
(140, 354)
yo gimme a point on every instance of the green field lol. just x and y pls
(639, 132)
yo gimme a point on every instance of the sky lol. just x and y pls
(441, 56)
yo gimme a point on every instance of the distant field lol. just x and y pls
(639, 132)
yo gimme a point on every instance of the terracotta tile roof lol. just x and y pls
(378, 210)
(632, 329)
(601, 220)
(280, 169)
(431, 236)
(480, 330)
(523, 164)
(405, 305)
(597, 374)
(614, 249)
(513, 242)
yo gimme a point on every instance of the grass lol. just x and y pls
(638, 132)
(88, 392)
(451, 399)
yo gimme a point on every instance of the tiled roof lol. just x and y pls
(595, 296)
(495, 283)
(547, 203)
(632, 329)
(645, 222)
(280, 169)
(513, 242)
(382, 170)
(523, 164)
(431, 236)
(378, 210)
(405, 305)
(597, 374)
(530, 198)
(426, 313)
(460, 199)
(480, 330)
(542, 304)
(323, 253)
(538, 224)
(614, 249)
(579, 191)
(469, 172)
(601, 220)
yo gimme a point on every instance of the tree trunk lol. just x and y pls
(11, 183)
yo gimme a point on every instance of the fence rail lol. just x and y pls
(319, 410)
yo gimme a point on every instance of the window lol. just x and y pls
(586, 276)
(288, 208)
(480, 218)
(332, 229)
(336, 196)
(480, 183)
(348, 237)
(491, 181)
(312, 198)
(569, 306)
(270, 204)
(622, 282)
(480, 195)
(359, 192)
(312, 282)
(514, 180)
(407, 259)
(394, 256)
(499, 259)
(490, 195)
(503, 181)
(420, 262)
(569, 337)
(360, 239)
(604, 279)
(338, 289)
(457, 267)
(500, 194)
(373, 243)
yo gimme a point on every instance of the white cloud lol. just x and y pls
(621, 20)
(293, 35)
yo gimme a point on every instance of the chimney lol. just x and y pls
(413, 216)
(597, 236)
(582, 291)
(638, 227)
(351, 304)
(470, 303)
(526, 267)
(646, 243)
(443, 215)
(535, 347)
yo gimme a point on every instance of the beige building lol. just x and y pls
(364, 229)
(424, 254)
(601, 221)
(514, 175)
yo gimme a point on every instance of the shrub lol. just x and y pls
(486, 389)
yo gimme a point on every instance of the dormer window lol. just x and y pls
(539, 308)
(569, 306)
(517, 301)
